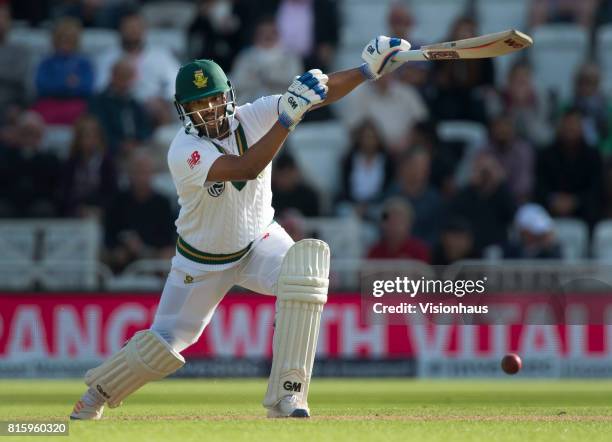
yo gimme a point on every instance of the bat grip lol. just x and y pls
(413, 55)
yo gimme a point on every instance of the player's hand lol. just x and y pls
(306, 91)
(378, 56)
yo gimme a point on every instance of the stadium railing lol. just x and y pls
(346, 274)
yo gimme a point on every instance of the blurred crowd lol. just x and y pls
(429, 200)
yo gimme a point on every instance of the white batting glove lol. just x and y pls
(378, 56)
(306, 90)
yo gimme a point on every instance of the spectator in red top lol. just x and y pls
(396, 241)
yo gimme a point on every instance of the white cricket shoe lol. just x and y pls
(289, 406)
(89, 407)
(82, 411)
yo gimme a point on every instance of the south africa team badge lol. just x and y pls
(216, 189)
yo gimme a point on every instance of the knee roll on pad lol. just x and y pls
(301, 293)
(304, 272)
(146, 357)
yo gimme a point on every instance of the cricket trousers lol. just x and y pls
(189, 298)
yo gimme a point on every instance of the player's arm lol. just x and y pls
(254, 160)
(305, 92)
(378, 61)
(342, 83)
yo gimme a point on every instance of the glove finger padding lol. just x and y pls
(312, 80)
(378, 56)
(306, 91)
(319, 75)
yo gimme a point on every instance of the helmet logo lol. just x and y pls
(199, 79)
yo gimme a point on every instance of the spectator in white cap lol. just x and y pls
(535, 235)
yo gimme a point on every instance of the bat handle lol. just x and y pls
(413, 55)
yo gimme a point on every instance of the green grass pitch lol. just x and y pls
(343, 410)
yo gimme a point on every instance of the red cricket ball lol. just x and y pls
(511, 363)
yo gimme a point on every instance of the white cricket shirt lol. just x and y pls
(219, 221)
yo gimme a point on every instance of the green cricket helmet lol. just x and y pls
(200, 79)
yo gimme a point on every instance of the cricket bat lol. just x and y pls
(485, 46)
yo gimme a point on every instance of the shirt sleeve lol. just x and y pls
(262, 113)
(190, 167)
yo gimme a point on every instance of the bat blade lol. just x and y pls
(484, 46)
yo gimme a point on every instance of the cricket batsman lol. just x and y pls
(221, 166)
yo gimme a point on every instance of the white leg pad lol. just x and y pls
(301, 293)
(146, 357)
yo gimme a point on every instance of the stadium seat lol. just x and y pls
(499, 15)
(143, 274)
(559, 50)
(175, 40)
(170, 14)
(339, 233)
(17, 275)
(602, 241)
(57, 254)
(69, 253)
(19, 242)
(37, 43)
(573, 234)
(318, 149)
(434, 17)
(541, 275)
(124, 283)
(58, 139)
(96, 40)
(604, 55)
(361, 21)
(36, 40)
(472, 134)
